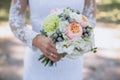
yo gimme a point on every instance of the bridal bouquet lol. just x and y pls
(70, 31)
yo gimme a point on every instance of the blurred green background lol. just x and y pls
(4, 12)
(104, 65)
(108, 11)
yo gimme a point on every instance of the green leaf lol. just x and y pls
(67, 11)
(94, 50)
(91, 30)
(87, 39)
(43, 33)
(51, 63)
(41, 57)
(43, 61)
(47, 61)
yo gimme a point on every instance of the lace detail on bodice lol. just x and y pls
(18, 25)
(89, 11)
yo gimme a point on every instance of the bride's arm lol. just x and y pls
(17, 23)
(90, 11)
(26, 35)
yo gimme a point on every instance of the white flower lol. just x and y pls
(77, 17)
(85, 46)
(63, 25)
(64, 47)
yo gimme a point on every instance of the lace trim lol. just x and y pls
(18, 26)
(88, 9)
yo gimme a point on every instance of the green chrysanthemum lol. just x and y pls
(51, 23)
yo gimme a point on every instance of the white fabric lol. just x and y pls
(66, 69)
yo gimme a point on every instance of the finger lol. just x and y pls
(49, 50)
(52, 44)
(53, 50)
(52, 58)
(54, 55)
(52, 47)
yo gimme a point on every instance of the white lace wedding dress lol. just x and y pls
(66, 69)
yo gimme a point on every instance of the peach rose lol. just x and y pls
(74, 30)
(84, 22)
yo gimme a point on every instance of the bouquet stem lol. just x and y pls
(49, 62)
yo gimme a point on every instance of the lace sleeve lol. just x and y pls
(17, 23)
(90, 11)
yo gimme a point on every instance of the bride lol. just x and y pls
(38, 44)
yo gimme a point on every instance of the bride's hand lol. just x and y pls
(47, 46)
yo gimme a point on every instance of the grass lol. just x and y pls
(107, 11)
(4, 12)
